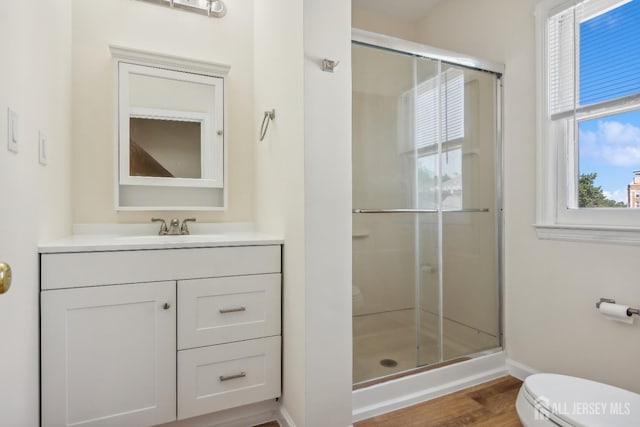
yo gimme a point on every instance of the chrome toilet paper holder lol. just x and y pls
(630, 311)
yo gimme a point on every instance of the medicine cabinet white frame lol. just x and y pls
(212, 146)
(161, 193)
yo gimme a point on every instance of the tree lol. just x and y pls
(590, 196)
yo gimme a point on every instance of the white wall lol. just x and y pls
(303, 190)
(374, 20)
(279, 85)
(327, 177)
(550, 287)
(135, 24)
(35, 81)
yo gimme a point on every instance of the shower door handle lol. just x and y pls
(372, 211)
(368, 211)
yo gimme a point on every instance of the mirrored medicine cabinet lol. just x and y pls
(170, 132)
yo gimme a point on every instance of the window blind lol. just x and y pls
(451, 97)
(609, 56)
(561, 57)
(593, 54)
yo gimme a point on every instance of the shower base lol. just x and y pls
(402, 374)
(392, 336)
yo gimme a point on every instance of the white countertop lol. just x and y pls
(127, 238)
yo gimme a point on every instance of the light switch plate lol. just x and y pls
(12, 130)
(43, 149)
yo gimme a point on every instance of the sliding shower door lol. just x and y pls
(388, 189)
(425, 225)
(465, 162)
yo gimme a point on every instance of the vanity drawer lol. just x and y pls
(226, 309)
(69, 270)
(225, 376)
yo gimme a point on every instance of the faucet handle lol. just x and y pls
(163, 227)
(184, 229)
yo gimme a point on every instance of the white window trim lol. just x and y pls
(553, 220)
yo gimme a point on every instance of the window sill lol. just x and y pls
(588, 233)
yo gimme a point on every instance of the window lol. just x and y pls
(451, 165)
(588, 118)
(451, 86)
(420, 104)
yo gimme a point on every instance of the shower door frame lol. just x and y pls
(393, 44)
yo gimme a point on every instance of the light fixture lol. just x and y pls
(212, 8)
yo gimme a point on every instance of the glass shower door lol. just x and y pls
(425, 212)
(387, 189)
(465, 163)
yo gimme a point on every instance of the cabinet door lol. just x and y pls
(109, 355)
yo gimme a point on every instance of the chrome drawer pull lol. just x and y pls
(232, 310)
(233, 377)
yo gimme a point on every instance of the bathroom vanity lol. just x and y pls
(142, 330)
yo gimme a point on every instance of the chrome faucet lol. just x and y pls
(183, 228)
(174, 227)
(163, 226)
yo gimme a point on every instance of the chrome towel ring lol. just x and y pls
(268, 116)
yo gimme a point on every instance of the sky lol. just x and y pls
(610, 68)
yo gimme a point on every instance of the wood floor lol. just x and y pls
(490, 404)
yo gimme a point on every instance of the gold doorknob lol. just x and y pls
(5, 277)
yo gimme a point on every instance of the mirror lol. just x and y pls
(153, 143)
(165, 128)
(170, 132)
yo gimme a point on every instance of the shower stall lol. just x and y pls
(426, 207)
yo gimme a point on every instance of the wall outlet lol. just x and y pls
(12, 130)
(43, 150)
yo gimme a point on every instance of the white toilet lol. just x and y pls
(560, 400)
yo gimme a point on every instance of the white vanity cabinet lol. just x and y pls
(108, 355)
(228, 342)
(145, 337)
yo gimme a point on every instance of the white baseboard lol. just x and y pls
(519, 370)
(284, 418)
(243, 416)
(409, 390)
